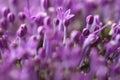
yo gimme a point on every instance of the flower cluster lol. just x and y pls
(59, 40)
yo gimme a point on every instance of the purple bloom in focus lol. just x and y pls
(64, 15)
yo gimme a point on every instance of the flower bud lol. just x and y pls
(41, 53)
(5, 11)
(11, 17)
(21, 16)
(22, 31)
(86, 32)
(56, 22)
(40, 30)
(46, 4)
(3, 42)
(47, 21)
(90, 19)
(75, 35)
(39, 20)
(3, 23)
(66, 23)
(14, 2)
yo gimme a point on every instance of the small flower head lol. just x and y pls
(64, 15)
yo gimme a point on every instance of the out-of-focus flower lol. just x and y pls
(59, 40)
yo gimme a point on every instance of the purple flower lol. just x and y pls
(64, 15)
(59, 40)
(22, 30)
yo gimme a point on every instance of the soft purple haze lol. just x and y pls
(59, 39)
